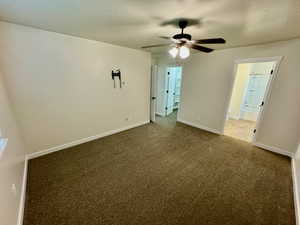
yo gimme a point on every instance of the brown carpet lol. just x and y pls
(160, 174)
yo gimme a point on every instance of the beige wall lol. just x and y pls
(206, 88)
(11, 162)
(241, 78)
(61, 86)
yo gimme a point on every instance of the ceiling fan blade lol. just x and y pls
(211, 41)
(153, 46)
(165, 37)
(201, 48)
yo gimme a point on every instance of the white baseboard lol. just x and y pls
(23, 193)
(199, 126)
(296, 191)
(83, 140)
(274, 149)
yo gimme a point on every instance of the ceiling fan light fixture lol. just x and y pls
(183, 42)
(184, 52)
(173, 52)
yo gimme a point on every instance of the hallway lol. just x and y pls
(169, 120)
(240, 129)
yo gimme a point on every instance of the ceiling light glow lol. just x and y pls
(173, 52)
(184, 52)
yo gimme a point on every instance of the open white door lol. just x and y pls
(256, 76)
(153, 92)
(254, 96)
(171, 78)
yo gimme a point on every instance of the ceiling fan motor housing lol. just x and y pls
(182, 36)
(182, 39)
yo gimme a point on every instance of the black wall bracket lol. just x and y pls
(116, 73)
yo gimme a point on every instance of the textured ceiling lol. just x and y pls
(135, 23)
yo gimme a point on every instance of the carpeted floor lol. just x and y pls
(164, 173)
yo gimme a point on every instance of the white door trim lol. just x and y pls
(153, 92)
(167, 90)
(267, 94)
(257, 60)
(266, 98)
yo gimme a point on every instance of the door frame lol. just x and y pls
(167, 91)
(153, 92)
(267, 93)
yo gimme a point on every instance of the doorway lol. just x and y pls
(174, 76)
(165, 92)
(251, 88)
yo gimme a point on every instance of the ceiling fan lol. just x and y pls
(182, 42)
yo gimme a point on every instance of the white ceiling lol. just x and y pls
(135, 23)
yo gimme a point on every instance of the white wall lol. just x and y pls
(207, 84)
(61, 86)
(11, 162)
